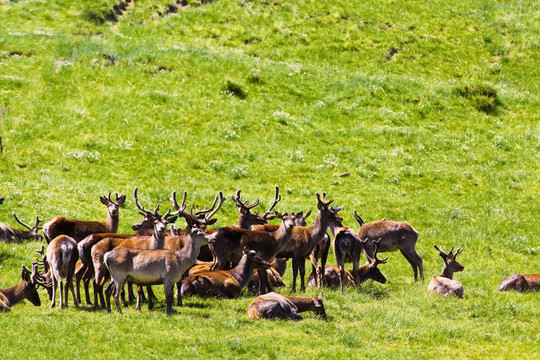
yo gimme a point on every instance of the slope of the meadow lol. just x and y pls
(425, 112)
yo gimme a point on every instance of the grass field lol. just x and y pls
(424, 112)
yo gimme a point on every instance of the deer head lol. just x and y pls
(247, 217)
(113, 206)
(200, 218)
(288, 219)
(30, 290)
(330, 214)
(450, 263)
(318, 308)
(32, 231)
(301, 218)
(374, 273)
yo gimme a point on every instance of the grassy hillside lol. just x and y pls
(425, 112)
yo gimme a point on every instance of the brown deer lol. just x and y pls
(331, 278)
(395, 236)
(62, 257)
(230, 242)
(153, 267)
(248, 218)
(78, 229)
(304, 240)
(521, 283)
(277, 306)
(9, 234)
(224, 283)
(443, 284)
(26, 289)
(274, 275)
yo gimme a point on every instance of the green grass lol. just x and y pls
(431, 107)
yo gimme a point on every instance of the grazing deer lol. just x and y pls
(521, 283)
(304, 240)
(443, 284)
(153, 267)
(78, 229)
(26, 289)
(8, 234)
(395, 236)
(224, 283)
(62, 257)
(277, 306)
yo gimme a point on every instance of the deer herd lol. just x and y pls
(204, 262)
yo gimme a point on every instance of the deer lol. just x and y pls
(247, 218)
(443, 284)
(331, 278)
(9, 234)
(153, 267)
(24, 290)
(277, 306)
(78, 229)
(395, 236)
(521, 283)
(304, 240)
(62, 257)
(224, 283)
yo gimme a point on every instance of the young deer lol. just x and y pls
(8, 234)
(26, 289)
(224, 283)
(395, 236)
(277, 306)
(521, 283)
(153, 267)
(304, 240)
(62, 257)
(443, 284)
(78, 229)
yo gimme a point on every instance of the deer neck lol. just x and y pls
(318, 229)
(15, 294)
(189, 252)
(447, 273)
(157, 241)
(363, 273)
(282, 236)
(243, 272)
(302, 304)
(112, 223)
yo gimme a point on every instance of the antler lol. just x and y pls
(38, 278)
(20, 222)
(277, 198)
(358, 219)
(221, 201)
(323, 200)
(375, 260)
(244, 205)
(442, 253)
(154, 213)
(120, 199)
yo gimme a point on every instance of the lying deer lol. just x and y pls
(78, 229)
(224, 283)
(26, 289)
(277, 306)
(9, 234)
(332, 279)
(395, 236)
(521, 283)
(443, 284)
(62, 257)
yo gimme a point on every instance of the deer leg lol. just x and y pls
(151, 297)
(131, 295)
(88, 276)
(295, 273)
(78, 277)
(413, 263)
(70, 287)
(179, 293)
(96, 304)
(61, 288)
(55, 285)
(264, 284)
(119, 288)
(316, 268)
(302, 270)
(169, 298)
(139, 297)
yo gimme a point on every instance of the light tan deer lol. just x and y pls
(443, 284)
(277, 306)
(9, 234)
(78, 229)
(62, 257)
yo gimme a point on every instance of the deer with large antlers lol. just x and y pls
(9, 234)
(277, 306)
(304, 239)
(26, 289)
(394, 236)
(248, 218)
(443, 284)
(78, 229)
(62, 257)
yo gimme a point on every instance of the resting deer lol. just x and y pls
(153, 267)
(26, 289)
(304, 240)
(395, 236)
(521, 283)
(78, 229)
(9, 234)
(331, 278)
(443, 284)
(224, 283)
(62, 257)
(277, 306)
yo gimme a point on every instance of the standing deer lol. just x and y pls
(62, 257)
(26, 289)
(443, 284)
(277, 306)
(248, 218)
(8, 234)
(78, 229)
(224, 283)
(304, 240)
(521, 283)
(395, 236)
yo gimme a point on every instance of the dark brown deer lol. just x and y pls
(9, 234)
(304, 240)
(24, 290)
(248, 218)
(62, 257)
(224, 283)
(277, 306)
(521, 283)
(78, 229)
(443, 284)
(395, 236)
